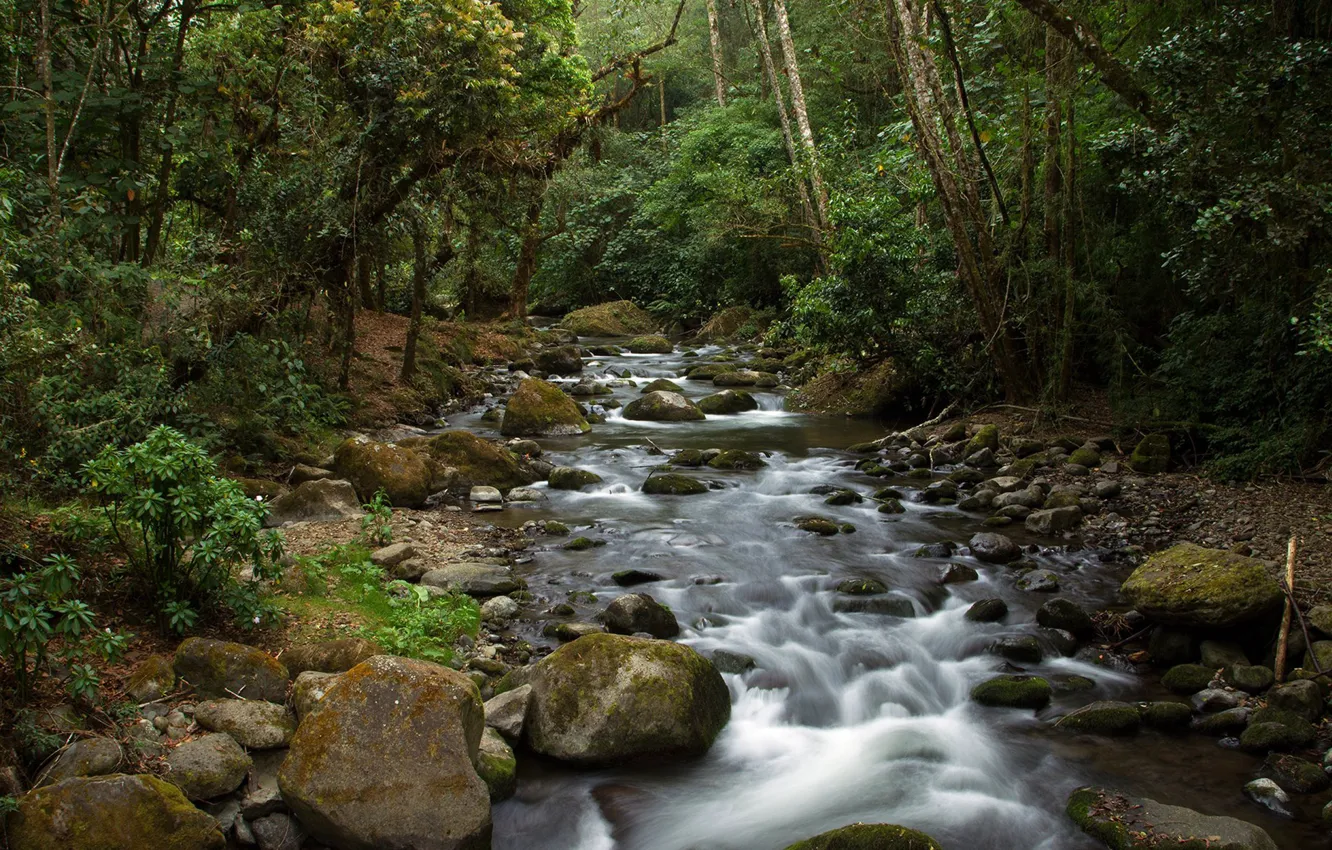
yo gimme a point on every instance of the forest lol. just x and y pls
(287, 289)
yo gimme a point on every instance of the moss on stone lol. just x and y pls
(1187, 585)
(661, 385)
(613, 318)
(538, 408)
(1187, 678)
(569, 478)
(869, 836)
(727, 402)
(1166, 715)
(1013, 692)
(403, 474)
(709, 371)
(1152, 455)
(817, 525)
(1102, 718)
(663, 407)
(650, 345)
(737, 459)
(673, 484)
(986, 437)
(1087, 457)
(478, 461)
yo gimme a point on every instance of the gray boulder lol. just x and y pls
(219, 669)
(994, 548)
(507, 712)
(475, 579)
(663, 407)
(255, 725)
(208, 767)
(84, 757)
(1136, 822)
(639, 612)
(323, 500)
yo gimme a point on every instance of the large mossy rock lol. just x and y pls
(650, 345)
(478, 462)
(1187, 585)
(673, 484)
(1129, 823)
(565, 360)
(325, 500)
(1105, 717)
(871, 391)
(208, 767)
(709, 371)
(663, 407)
(728, 402)
(613, 318)
(328, 656)
(1013, 691)
(539, 409)
(571, 478)
(608, 698)
(1152, 455)
(869, 836)
(217, 669)
(115, 812)
(389, 759)
(403, 475)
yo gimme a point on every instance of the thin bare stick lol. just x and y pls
(1282, 646)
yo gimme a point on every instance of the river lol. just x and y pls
(846, 716)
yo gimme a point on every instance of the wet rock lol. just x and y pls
(1065, 614)
(1131, 823)
(1166, 716)
(328, 656)
(889, 606)
(153, 679)
(817, 525)
(994, 548)
(1013, 691)
(474, 579)
(709, 371)
(869, 836)
(638, 612)
(672, 484)
(403, 474)
(650, 345)
(1039, 581)
(633, 577)
(309, 690)
(1107, 489)
(735, 459)
(116, 811)
(987, 610)
(861, 587)
(569, 478)
(1216, 654)
(1214, 699)
(1253, 679)
(1269, 795)
(220, 669)
(732, 662)
(1105, 717)
(582, 544)
(254, 724)
(208, 767)
(485, 495)
(1020, 649)
(728, 402)
(564, 360)
(1152, 455)
(958, 574)
(277, 831)
(539, 409)
(526, 494)
(1296, 775)
(84, 757)
(1188, 585)
(663, 407)
(1263, 735)
(354, 783)
(1232, 721)
(661, 385)
(738, 378)
(507, 712)
(985, 438)
(1054, 521)
(1302, 698)
(1187, 678)
(324, 500)
(936, 550)
(1064, 642)
(496, 765)
(607, 698)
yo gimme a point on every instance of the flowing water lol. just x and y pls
(846, 717)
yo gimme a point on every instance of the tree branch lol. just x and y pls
(634, 58)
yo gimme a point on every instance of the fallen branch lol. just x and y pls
(1289, 588)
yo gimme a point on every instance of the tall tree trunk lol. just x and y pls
(418, 302)
(364, 252)
(472, 276)
(161, 197)
(527, 257)
(801, 111)
(380, 274)
(48, 108)
(714, 39)
(770, 76)
(661, 103)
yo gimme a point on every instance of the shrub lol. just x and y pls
(377, 524)
(186, 531)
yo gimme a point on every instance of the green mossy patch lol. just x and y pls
(650, 345)
(869, 836)
(613, 318)
(540, 409)
(1013, 691)
(479, 461)
(673, 484)
(1187, 585)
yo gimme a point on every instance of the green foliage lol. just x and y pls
(377, 524)
(41, 621)
(186, 531)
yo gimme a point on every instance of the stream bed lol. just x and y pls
(845, 717)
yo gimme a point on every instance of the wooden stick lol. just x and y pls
(1285, 616)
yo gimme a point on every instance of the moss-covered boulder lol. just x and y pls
(869, 836)
(731, 322)
(569, 478)
(663, 407)
(328, 656)
(986, 437)
(613, 318)
(324, 500)
(1187, 678)
(565, 360)
(539, 409)
(84, 757)
(1187, 585)
(389, 760)
(821, 526)
(497, 766)
(709, 371)
(1152, 455)
(673, 484)
(1102, 718)
(739, 378)
(403, 474)
(115, 812)
(208, 767)
(1134, 823)
(1013, 691)
(152, 679)
(217, 669)
(478, 462)
(603, 699)
(661, 385)
(650, 345)
(737, 459)
(255, 724)
(1166, 716)
(728, 402)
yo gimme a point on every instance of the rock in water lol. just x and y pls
(564, 360)
(994, 548)
(116, 812)
(650, 345)
(639, 612)
(606, 698)
(673, 484)
(1187, 585)
(1136, 822)
(728, 402)
(539, 409)
(388, 760)
(663, 407)
(569, 478)
(869, 836)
